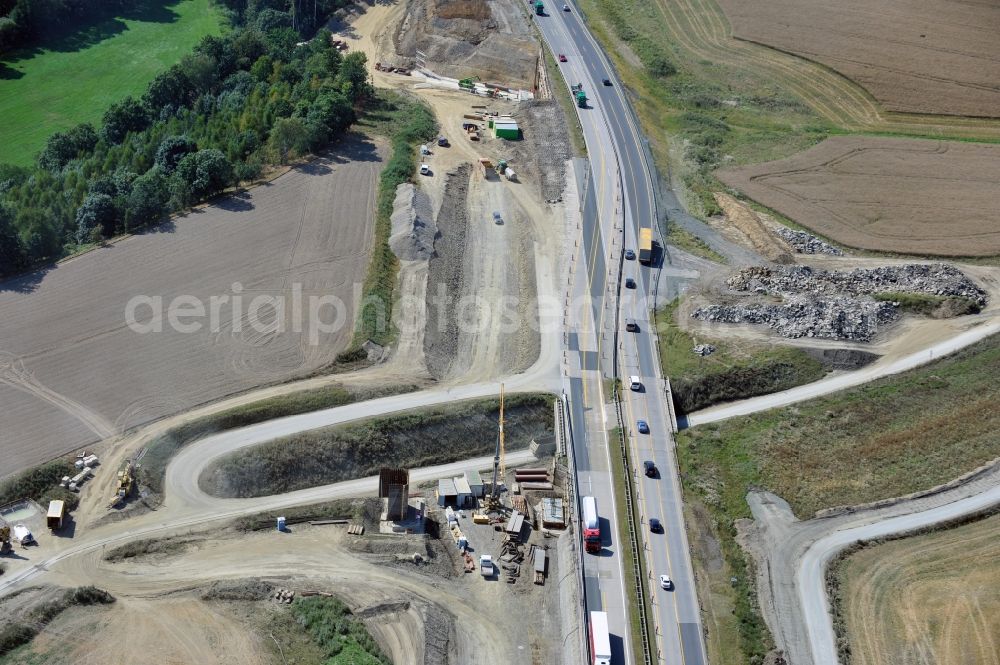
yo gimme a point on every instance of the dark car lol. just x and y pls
(655, 526)
(649, 468)
(643, 427)
(607, 81)
(630, 255)
(631, 325)
(629, 283)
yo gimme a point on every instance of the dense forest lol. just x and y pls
(257, 95)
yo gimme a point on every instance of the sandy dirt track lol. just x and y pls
(916, 56)
(72, 372)
(927, 600)
(897, 195)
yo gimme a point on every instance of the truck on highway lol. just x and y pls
(600, 639)
(539, 8)
(591, 525)
(645, 245)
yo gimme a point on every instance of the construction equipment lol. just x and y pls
(5, 546)
(468, 83)
(499, 467)
(486, 165)
(126, 479)
(580, 96)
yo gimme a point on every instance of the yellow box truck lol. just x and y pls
(645, 245)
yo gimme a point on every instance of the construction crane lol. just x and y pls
(499, 468)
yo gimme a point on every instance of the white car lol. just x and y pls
(497, 217)
(666, 582)
(635, 383)
(425, 169)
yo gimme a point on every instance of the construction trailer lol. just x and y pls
(57, 511)
(475, 481)
(463, 492)
(538, 562)
(505, 127)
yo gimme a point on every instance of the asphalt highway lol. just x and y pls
(619, 167)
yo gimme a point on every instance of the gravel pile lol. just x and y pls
(832, 304)
(807, 243)
(831, 318)
(937, 279)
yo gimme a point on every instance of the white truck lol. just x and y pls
(600, 639)
(486, 565)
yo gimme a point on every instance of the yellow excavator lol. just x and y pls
(126, 479)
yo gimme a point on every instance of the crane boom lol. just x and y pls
(499, 468)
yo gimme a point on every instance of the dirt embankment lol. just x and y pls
(461, 38)
(445, 272)
(334, 454)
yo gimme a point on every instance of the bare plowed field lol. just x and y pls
(928, 600)
(909, 196)
(916, 56)
(72, 372)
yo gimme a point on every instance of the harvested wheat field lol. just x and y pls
(926, 600)
(914, 56)
(911, 196)
(72, 372)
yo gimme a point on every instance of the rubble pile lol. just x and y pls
(807, 243)
(937, 279)
(833, 304)
(833, 318)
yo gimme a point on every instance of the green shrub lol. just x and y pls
(37, 482)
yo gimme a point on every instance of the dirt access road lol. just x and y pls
(914, 56)
(73, 373)
(792, 556)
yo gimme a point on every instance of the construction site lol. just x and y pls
(438, 572)
(463, 563)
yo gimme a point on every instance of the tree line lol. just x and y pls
(257, 95)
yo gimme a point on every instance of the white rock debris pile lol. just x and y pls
(935, 279)
(807, 243)
(830, 318)
(834, 304)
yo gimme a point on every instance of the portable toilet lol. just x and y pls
(281, 524)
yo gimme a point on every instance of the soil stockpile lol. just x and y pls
(915, 56)
(72, 372)
(413, 227)
(333, 454)
(909, 196)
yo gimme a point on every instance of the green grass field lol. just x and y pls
(75, 78)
